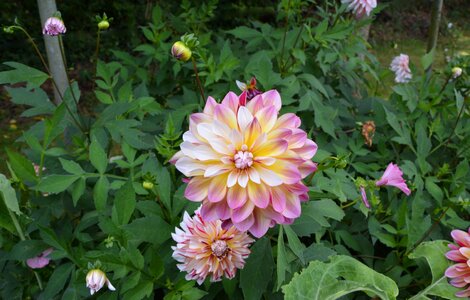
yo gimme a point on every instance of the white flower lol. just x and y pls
(400, 65)
(456, 72)
(360, 7)
(96, 279)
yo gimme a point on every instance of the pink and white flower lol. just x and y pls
(39, 261)
(96, 279)
(400, 65)
(249, 88)
(393, 176)
(206, 248)
(245, 163)
(460, 253)
(54, 26)
(360, 7)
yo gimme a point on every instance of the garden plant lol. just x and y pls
(273, 160)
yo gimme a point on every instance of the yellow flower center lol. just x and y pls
(220, 248)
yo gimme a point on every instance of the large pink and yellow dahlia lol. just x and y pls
(245, 162)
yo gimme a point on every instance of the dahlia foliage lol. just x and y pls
(460, 253)
(245, 163)
(400, 65)
(205, 248)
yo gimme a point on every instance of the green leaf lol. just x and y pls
(341, 276)
(78, 189)
(294, 243)
(281, 265)
(71, 167)
(37, 99)
(22, 166)
(257, 273)
(103, 97)
(22, 73)
(164, 186)
(98, 157)
(100, 192)
(26, 249)
(314, 83)
(434, 189)
(428, 58)
(124, 204)
(152, 229)
(56, 183)
(434, 253)
(57, 281)
(9, 195)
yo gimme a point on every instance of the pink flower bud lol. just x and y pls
(54, 26)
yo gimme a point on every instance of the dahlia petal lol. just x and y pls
(217, 188)
(252, 133)
(255, 104)
(232, 178)
(226, 115)
(459, 236)
(258, 194)
(267, 161)
(280, 133)
(452, 271)
(221, 130)
(245, 224)
(464, 293)
(307, 168)
(189, 137)
(273, 98)
(288, 120)
(267, 117)
(271, 148)
(261, 225)
(231, 101)
(217, 169)
(244, 118)
(458, 282)
(278, 199)
(254, 176)
(243, 178)
(199, 152)
(308, 150)
(210, 106)
(269, 177)
(197, 189)
(289, 173)
(236, 138)
(292, 207)
(241, 213)
(37, 262)
(465, 251)
(236, 197)
(214, 211)
(297, 139)
(190, 167)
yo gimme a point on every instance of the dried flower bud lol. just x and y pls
(180, 51)
(103, 25)
(456, 72)
(368, 131)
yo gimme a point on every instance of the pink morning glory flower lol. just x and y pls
(393, 176)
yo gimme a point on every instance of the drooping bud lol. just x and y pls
(368, 131)
(54, 26)
(180, 51)
(456, 72)
(96, 279)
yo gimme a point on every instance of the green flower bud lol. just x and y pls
(103, 25)
(147, 185)
(456, 72)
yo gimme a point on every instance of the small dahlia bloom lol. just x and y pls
(460, 253)
(96, 279)
(393, 176)
(206, 248)
(54, 26)
(249, 88)
(246, 163)
(400, 65)
(360, 7)
(39, 261)
(180, 51)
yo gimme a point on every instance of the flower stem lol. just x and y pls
(62, 54)
(284, 37)
(201, 90)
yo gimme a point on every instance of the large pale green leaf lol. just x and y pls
(8, 194)
(124, 204)
(23, 73)
(434, 253)
(342, 275)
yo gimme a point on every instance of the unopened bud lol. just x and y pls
(96, 279)
(180, 51)
(103, 25)
(147, 185)
(456, 72)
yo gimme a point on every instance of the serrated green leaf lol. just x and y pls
(9, 195)
(124, 204)
(56, 183)
(71, 167)
(22, 166)
(98, 157)
(100, 192)
(342, 275)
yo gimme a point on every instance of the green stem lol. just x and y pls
(284, 37)
(95, 59)
(62, 54)
(198, 81)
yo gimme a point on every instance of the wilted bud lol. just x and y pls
(147, 185)
(103, 25)
(54, 26)
(96, 279)
(456, 72)
(180, 51)
(368, 131)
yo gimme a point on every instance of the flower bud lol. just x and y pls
(54, 26)
(180, 51)
(456, 72)
(96, 279)
(147, 185)
(103, 25)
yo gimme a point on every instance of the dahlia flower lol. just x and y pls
(250, 88)
(393, 176)
(96, 279)
(54, 26)
(400, 65)
(205, 248)
(360, 7)
(460, 253)
(245, 164)
(39, 261)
